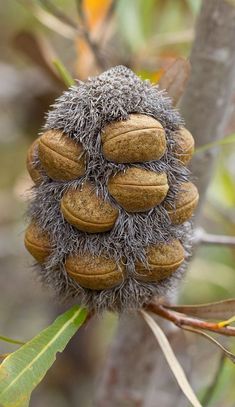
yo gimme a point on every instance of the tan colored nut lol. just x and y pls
(37, 243)
(185, 145)
(138, 190)
(61, 157)
(32, 169)
(88, 212)
(185, 203)
(140, 138)
(96, 273)
(164, 259)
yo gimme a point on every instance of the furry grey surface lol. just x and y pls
(82, 112)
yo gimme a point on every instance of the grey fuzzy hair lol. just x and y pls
(82, 112)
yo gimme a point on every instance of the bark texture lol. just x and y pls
(206, 103)
(135, 373)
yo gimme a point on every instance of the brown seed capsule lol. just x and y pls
(61, 157)
(140, 138)
(138, 190)
(37, 242)
(164, 259)
(185, 203)
(88, 212)
(33, 169)
(96, 273)
(185, 145)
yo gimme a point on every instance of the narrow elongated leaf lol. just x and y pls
(175, 78)
(21, 372)
(63, 73)
(171, 359)
(4, 356)
(226, 140)
(49, 20)
(218, 310)
(225, 351)
(10, 340)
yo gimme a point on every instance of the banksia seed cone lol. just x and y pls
(112, 198)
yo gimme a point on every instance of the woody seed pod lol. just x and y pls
(140, 138)
(96, 273)
(61, 157)
(138, 190)
(185, 203)
(185, 145)
(163, 259)
(37, 242)
(118, 120)
(33, 169)
(86, 211)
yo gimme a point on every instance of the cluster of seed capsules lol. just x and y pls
(139, 139)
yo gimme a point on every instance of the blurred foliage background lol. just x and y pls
(146, 35)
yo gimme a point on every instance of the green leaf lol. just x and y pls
(63, 72)
(21, 372)
(10, 340)
(226, 140)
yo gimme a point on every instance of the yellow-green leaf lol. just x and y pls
(10, 340)
(23, 370)
(63, 73)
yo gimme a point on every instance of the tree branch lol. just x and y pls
(202, 237)
(206, 103)
(182, 320)
(134, 374)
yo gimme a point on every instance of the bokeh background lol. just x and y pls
(146, 35)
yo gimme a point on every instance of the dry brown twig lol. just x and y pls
(183, 321)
